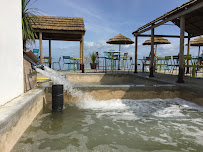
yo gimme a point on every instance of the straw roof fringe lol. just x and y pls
(197, 42)
(58, 23)
(193, 18)
(120, 39)
(157, 40)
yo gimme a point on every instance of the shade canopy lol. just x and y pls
(59, 28)
(157, 40)
(197, 42)
(120, 39)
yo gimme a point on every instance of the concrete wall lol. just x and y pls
(11, 50)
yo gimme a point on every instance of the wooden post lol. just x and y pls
(119, 57)
(181, 54)
(83, 53)
(152, 54)
(40, 43)
(136, 54)
(50, 53)
(199, 52)
(188, 53)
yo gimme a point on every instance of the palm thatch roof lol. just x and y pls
(58, 23)
(120, 39)
(59, 28)
(157, 40)
(197, 42)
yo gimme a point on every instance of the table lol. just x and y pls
(75, 62)
(111, 55)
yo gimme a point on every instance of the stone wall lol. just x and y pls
(30, 75)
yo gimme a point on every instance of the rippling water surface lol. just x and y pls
(117, 125)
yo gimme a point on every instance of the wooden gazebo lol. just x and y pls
(188, 16)
(59, 28)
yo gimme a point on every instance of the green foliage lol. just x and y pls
(93, 57)
(28, 17)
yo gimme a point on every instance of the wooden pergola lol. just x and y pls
(59, 28)
(189, 17)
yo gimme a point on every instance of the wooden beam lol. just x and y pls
(40, 44)
(152, 55)
(60, 31)
(50, 53)
(172, 36)
(181, 54)
(188, 53)
(119, 57)
(136, 46)
(61, 39)
(83, 53)
(176, 15)
(80, 54)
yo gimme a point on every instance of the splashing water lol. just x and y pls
(68, 86)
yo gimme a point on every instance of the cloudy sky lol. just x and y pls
(105, 19)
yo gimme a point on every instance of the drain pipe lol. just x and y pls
(57, 97)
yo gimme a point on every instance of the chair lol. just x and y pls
(190, 65)
(124, 59)
(146, 62)
(67, 60)
(107, 58)
(36, 52)
(46, 60)
(160, 63)
(131, 64)
(57, 63)
(98, 65)
(175, 63)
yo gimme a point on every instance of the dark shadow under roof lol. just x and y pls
(193, 11)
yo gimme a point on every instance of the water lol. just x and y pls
(68, 86)
(114, 125)
(117, 125)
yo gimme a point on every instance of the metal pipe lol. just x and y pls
(57, 97)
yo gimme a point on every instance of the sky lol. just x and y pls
(105, 19)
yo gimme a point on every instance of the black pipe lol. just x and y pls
(57, 97)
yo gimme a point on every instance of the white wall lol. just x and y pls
(11, 50)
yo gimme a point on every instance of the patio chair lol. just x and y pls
(98, 62)
(124, 59)
(168, 62)
(46, 61)
(67, 60)
(36, 52)
(107, 58)
(191, 65)
(132, 64)
(146, 62)
(160, 63)
(174, 63)
(57, 63)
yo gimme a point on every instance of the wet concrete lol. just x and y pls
(17, 115)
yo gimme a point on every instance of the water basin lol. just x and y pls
(117, 125)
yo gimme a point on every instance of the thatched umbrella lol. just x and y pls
(197, 42)
(119, 39)
(157, 40)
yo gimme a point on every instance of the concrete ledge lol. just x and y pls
(17, 115)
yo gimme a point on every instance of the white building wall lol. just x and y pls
(11, 50)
